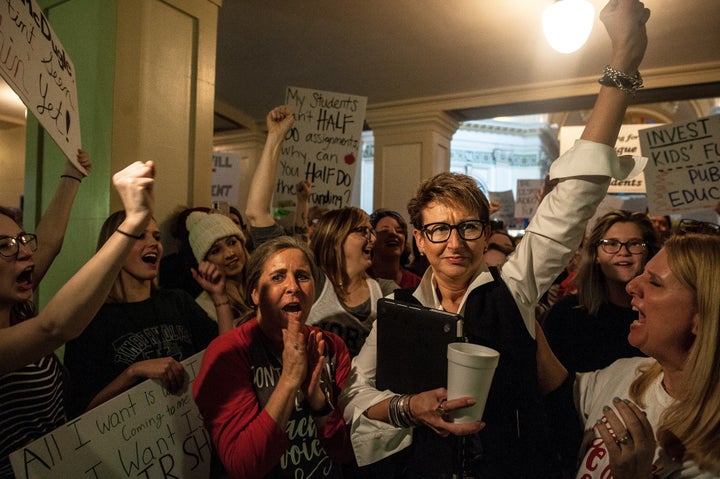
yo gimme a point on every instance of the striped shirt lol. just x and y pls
(31, 405)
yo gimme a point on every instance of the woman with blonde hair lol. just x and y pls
(141, 332)
(342, 242)
(657, 416)
(219, 247)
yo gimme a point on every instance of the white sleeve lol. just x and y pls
(372, 440)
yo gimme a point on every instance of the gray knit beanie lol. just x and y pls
(205, 229)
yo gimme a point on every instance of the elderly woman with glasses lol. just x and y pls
(450, 215)
(342, 242)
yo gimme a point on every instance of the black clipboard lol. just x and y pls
(412, 346)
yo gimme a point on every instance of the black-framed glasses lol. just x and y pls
(695, 226)
(467, 230)
(612, 246)
(366, 231)
(9, 245)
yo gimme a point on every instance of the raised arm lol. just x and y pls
(77, 302)
(53, 224)
(624, 21)
(278, 121)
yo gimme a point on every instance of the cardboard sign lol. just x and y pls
(683, 171)
(527, 197)
(39, 70)
(322, 147)
(225, 178)
(144, 432)
(507, 207)
(628, 143)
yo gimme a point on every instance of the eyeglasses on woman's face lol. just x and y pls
(10, 246)
(440, 232)
(613, 246)
(366, 231)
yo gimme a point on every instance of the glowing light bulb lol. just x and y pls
(567, 24)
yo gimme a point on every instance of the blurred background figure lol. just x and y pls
(390, 248)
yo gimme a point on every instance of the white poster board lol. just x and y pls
(506, 214)
(683, 171)
(225, 178)
(527, 197)
(322, 147)
(144, 432)
(39, 70)
(628, 143)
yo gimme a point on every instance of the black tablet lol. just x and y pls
(412, 346)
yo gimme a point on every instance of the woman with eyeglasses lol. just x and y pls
(655, 416)
(451, 220)
(31, 376)
(616, 251)
(342, 242)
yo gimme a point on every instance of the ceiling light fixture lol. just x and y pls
(567, 24)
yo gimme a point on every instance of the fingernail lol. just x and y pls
(616, 399)
(598, 422)
(626, 401)
(606, 408)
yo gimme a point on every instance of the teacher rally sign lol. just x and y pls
(35, 65)
(144, 432)
(322, 147)
(683, 170)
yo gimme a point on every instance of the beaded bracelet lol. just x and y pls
(72, 177)
(129, 235)
(617, 79)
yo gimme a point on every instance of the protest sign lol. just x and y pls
(683, 171)
(39, 70)
(506, 214)
(225, 178)
(527, 197)
(143, 432)
(322, 147)
(628, 143)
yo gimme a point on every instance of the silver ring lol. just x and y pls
(296, 346)
(623, 439)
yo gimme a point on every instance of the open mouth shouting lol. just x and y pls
(25, 278)
(150, 258)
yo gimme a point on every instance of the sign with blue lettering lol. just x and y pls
(144, 432)
(39, 70)
(322, 147)
(683, 170)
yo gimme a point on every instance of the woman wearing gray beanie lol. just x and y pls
(219, 247)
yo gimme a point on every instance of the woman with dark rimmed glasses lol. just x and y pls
(346, 305)
(616, 251)
(450, 216)
(31, 376)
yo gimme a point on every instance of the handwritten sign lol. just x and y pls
(35, 65)
(225, 178)
(506, 214)
(683, 171)
(322, 147)
(144, 432)
(628, 143)
(527, 201)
